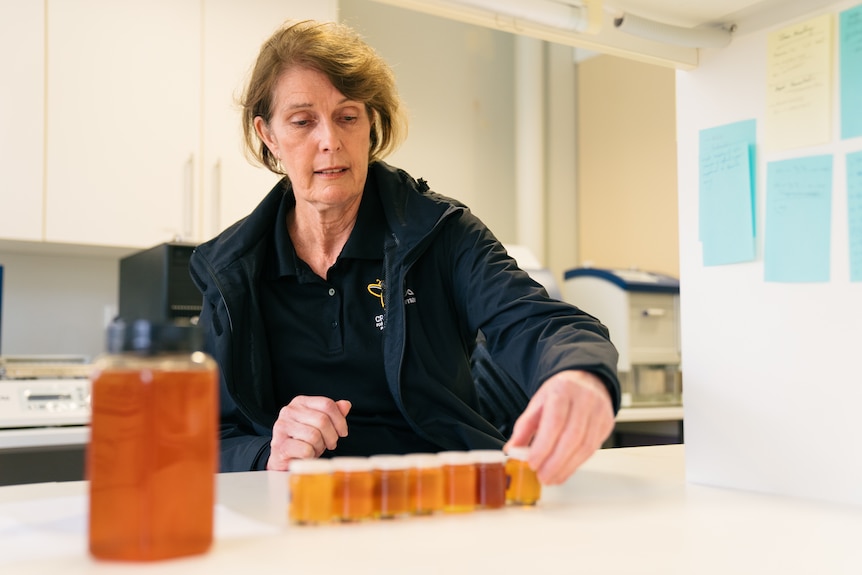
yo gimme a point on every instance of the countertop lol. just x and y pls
(627, 510)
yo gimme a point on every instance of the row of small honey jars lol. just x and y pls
(388, 486)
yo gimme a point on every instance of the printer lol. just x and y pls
(641, 310)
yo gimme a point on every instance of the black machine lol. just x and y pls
(155, 284)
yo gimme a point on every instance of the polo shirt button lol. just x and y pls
(331, 291)
(334, 324)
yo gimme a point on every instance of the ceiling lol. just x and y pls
(740, 16)
(688, 13)
(747, 15)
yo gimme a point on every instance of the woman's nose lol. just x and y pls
(329, 136)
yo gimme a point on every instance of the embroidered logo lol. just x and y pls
(409, 297)
(376, 289)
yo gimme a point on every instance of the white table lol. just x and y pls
(626, 511)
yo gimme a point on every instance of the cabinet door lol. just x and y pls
(123, 120)
(233, 34)
(22, 126)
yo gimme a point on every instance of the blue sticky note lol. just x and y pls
(850, 49)
(726, 192)
(854, 214)
(798, 225)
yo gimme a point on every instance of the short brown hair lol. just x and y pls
(353, 67)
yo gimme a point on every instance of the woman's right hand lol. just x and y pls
(305, 428)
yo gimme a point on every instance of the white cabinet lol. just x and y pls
(22, 127)
(123, 120)
(143, 132)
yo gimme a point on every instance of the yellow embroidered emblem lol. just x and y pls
(376, 289)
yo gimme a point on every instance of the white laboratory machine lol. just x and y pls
(641, 310)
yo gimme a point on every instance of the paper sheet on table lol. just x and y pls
(850, 49)
(798, 219)
(61, 528)
(799, 84)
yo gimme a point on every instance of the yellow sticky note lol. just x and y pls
(799, 84)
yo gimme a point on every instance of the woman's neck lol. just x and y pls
(318, 236)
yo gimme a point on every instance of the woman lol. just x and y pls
(344, 310)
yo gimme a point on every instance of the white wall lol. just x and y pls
(772, 383)
(56, 303)
(457, 81)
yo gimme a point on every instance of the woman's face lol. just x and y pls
(321, 138)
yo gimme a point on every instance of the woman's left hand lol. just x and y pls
(566, 421)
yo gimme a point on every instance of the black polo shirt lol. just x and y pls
(325, 335)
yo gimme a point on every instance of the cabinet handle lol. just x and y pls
(189, 199)
(653, 312)
(215, 200)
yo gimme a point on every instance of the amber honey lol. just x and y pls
(311, 491)
(391, 486)
(427, 484)
(151, 459)
(524, 487)
(353, 488)
(459, 481)
(490, 478)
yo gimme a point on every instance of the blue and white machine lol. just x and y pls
(641, 310)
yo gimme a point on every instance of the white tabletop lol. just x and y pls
(626, 511)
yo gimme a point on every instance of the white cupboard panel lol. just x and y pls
(123, 117)
(22, 126)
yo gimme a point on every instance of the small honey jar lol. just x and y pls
(391, 485)
(459, 481)
(353, 488)
(426, 483)
(311, 490)
(523, 485)
(490, 478)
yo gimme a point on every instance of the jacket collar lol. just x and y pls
(411, 209)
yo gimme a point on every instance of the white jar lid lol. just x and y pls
(389, 462)
(489, 456)
(351, 463)
(519, 453)
(310, 466)
(423, 460)
(455, 458)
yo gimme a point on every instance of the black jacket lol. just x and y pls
(463, 286)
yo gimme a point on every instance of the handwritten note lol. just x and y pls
(854, 213)
(727, 223)
(799, 84)
(850, 42)
(798, 226)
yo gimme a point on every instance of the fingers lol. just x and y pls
(565, 422)
(526, 424)
(305, 428)
(344, 407)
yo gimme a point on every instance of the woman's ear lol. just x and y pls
(265, 135)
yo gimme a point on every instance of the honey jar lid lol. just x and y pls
(147, 337)
(351, 463)
(487, 456)
(519, 453)
(423, 460)
(455, 458)
(310, 466)
(389, 462)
